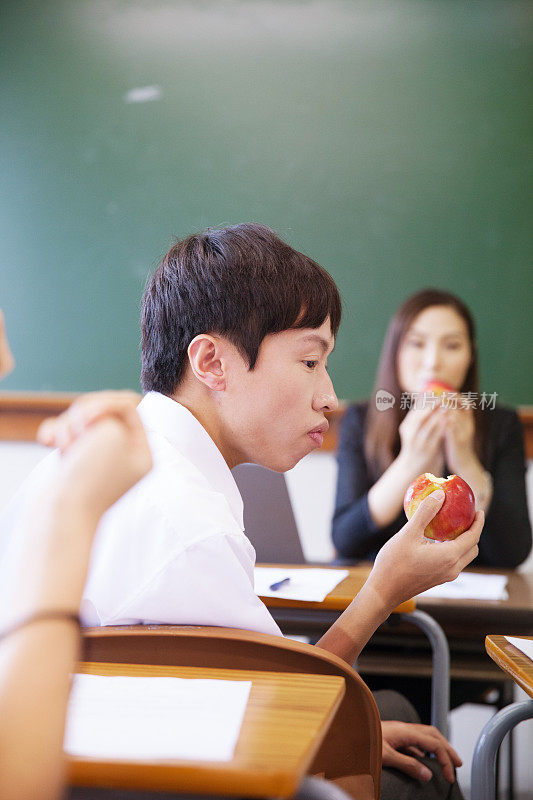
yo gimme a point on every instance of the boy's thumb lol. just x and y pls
(428, 508)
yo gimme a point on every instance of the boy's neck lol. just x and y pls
(205, 411)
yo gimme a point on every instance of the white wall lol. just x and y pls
(311, 486)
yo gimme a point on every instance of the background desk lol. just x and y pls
(302, 617)
(286, 719)
(465, 623)
(520, 669)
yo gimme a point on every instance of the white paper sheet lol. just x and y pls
(305, 584)
(524, 645)
(471, 586)
(154, 718)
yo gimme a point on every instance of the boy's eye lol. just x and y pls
(310, 363)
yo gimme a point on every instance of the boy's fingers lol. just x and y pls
(434, 742)
(445, 760)
(468, 558)
(465, 541)
(409, 765)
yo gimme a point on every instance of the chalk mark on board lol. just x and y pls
(143, 94)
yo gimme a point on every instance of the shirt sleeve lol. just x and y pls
(354, 532)
(210, 582)
(506, 537)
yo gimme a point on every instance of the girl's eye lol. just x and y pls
(310, 363)
(453, 346)
(416, 343)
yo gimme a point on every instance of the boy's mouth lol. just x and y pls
(317, 434)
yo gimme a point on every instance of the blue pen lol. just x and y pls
(275, 586)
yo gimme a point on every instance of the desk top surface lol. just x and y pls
(514, 612)
(286, 720)
(342, 595)
(512, 661)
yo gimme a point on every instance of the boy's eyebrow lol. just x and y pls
(314, 338)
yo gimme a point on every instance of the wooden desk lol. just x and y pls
(520, 668)
(465, 623)
(339, 598)
(460, 618)
(456, 617)
(287, 717)
(517, 665)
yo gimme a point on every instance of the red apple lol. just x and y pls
(439, 387)
(456, 513)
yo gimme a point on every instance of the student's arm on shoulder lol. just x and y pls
(506, 539)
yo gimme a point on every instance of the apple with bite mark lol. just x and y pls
(439, 388)
(455, 515)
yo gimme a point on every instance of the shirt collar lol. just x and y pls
(182, 430)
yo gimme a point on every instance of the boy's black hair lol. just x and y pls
(242, 282)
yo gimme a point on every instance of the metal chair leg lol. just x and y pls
(483, 785)
(440, 679)
(319, 789)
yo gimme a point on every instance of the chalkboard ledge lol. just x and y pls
(21, 413)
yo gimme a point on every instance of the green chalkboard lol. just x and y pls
(389, 139)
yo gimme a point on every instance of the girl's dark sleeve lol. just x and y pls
(355, 534)
(506, 537)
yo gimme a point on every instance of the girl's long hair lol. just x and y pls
(382, 438)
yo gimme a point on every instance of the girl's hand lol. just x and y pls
(422, 438)
(459, 434)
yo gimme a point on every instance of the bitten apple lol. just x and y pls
(439, 387)
(457, 511)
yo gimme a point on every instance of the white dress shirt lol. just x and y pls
(173, 549)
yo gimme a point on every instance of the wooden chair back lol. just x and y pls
(353, 744)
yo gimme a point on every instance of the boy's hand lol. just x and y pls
(104, 449)
(418, 740)
(7, 362)
(409, 563)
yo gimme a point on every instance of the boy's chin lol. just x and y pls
(278, 464)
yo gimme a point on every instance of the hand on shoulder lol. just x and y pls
(104, 450)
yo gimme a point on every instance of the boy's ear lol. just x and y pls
(206, 357)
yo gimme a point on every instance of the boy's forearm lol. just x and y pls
(350, 633)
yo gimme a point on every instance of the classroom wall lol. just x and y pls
(387, 138)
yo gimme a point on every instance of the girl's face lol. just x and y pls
(436, 347)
